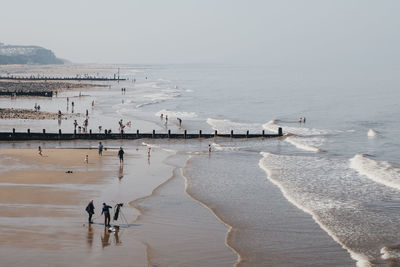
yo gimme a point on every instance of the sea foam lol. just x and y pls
(177, 114)
(304, 138)
(225, 126)
(381, 172)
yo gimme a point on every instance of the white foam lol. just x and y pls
(304, 203)
(381, 172)
(307, 139)
(388, 253)
(306, 144)
(177, 114)
(371, 133)
(225, 126)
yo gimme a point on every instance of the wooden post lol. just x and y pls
(154, 134)
(231, 133)
(199, 133)
(13, 130)
(59, 131)
(169, 133)
(247, 134)
(44, 131)
(90, 131)
(137, 133)
(215, 133)
(105, 131)
(29, 131)
(280, 133)
(184, 134)
(263, 133)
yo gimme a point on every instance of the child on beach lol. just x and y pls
(40, 151)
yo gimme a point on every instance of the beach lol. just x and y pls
(324, 194)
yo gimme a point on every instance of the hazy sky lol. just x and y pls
(181, 31)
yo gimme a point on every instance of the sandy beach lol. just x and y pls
(42, 211)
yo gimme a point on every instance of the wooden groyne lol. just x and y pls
(28, 135)
(89, 78)
(27, 93)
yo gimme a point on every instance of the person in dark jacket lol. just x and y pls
(90, 210)
(106, 211)
(121, 155)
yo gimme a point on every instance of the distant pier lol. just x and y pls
(44, 136)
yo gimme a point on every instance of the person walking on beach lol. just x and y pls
(121, 155)
(209, 149)
(90, 210)
(106, 212)
(100, 149)
(180, 121)
(40, 151)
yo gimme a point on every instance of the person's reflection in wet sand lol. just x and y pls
(105, 238)
(116, 235)
(121, 172)
(90, 236)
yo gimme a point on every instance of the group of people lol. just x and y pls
(122, 125)
(105, 210)
(302, 120)
(37, 107)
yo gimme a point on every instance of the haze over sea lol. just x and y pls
(339, 169)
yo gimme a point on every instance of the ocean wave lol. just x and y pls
(177, 114)
(307, 139)
(307, 144)
(225, 126)
(381, 172)
(315, 196)
(159, 97)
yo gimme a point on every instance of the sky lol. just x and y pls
(271, 32)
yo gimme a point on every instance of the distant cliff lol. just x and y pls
(16, 54)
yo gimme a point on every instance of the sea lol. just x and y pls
(338, 162)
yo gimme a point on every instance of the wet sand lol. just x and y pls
(42, 210)
(44, 223)
(175, 224)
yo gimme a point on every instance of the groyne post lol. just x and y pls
(199, 133)
(137, 133)
(90, 132)
(154, 134)
(263, 133)
(29, 131)
(231, 133)
(184, 134)
(105, 131)
(280, 133)
(59, 131)
(44, 131)
(247, 134)
(13, 130)
(215, 133)
(169, 133)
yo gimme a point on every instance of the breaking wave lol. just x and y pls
(381, 172)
